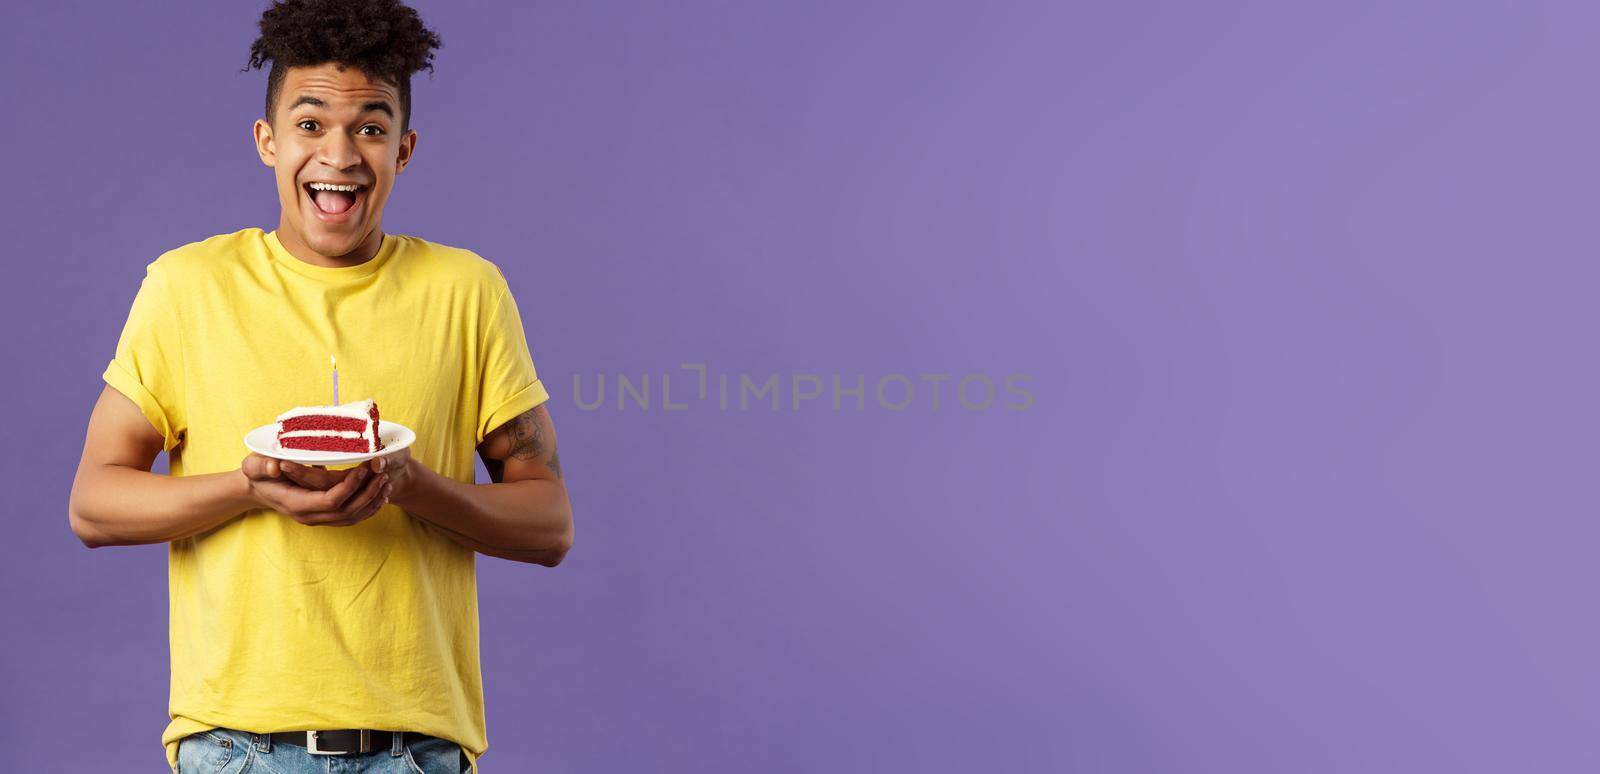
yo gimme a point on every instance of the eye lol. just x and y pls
(303, 123)
(376, 130)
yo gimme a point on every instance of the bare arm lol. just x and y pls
(116, 500)
(524, 515)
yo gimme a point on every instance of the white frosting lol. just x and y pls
(325, 434)
(361, 409)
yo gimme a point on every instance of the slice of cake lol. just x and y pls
(351, 427)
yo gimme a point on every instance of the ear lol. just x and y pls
(265, 147)
(408, 146)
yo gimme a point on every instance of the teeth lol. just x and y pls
(333, 187)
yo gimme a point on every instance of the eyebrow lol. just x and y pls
(381, 106)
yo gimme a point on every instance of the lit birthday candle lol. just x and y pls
(335, 379)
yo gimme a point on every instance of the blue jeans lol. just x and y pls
(226, 751)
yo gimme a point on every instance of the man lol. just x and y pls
(315, 611)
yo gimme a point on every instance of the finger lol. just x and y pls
(300, 502)
(365, 512)
(303, 505)
(391, 462)
(370, 491)
(313, 476)
(259, 468)
(337, 520)
(369, 494)
(377, 498)
(335, 498)
(294, 473)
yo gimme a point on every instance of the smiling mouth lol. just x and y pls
(335, 201)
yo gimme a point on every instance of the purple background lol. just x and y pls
(1305, 295)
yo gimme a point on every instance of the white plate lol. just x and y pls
(264, 441)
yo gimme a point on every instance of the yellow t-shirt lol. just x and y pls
(274, 625)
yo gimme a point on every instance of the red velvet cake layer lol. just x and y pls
(315, 431)
(323, 422)
(331, 443)
(377, 437)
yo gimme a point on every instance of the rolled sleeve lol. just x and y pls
(509, 383)
(148, 364)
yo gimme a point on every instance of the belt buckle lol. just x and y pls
(311, 744)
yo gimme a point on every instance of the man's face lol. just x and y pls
(333, 129)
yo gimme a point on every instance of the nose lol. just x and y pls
(338, 151)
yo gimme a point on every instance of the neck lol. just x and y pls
(291, 241)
